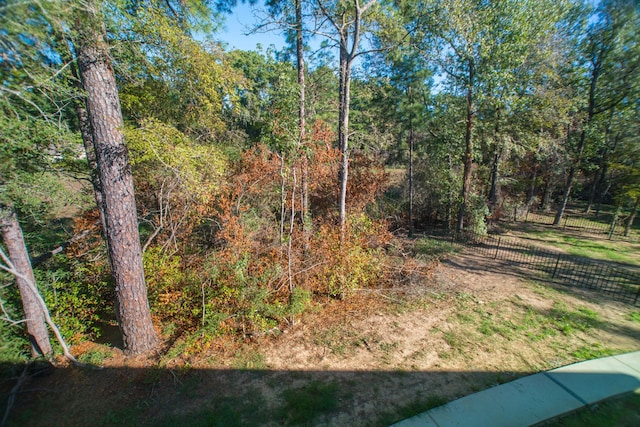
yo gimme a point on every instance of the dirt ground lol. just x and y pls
(379, 357)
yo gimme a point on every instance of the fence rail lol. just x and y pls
(615, 281)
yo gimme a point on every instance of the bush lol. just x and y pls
(477, 215)
(353, 263)
(14, 347)
(248, 268)
(75, 293)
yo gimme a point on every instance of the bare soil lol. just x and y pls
(378, 357)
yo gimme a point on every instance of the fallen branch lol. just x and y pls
(45, 256)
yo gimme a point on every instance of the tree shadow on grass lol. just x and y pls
(213, 397)
(235, 397)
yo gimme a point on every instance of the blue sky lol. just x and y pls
(239, 23)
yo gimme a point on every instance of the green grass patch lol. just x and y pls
(415, 407)
(594, 351)
(303, 405)
(342, 340)
(560, 319)
(570, 321)
(127, 416)
(434, 248)
(622, 252)
(247, 410)
(616, 412)
(95, 356)
(246, 358)
(491, 326)
(634, 316)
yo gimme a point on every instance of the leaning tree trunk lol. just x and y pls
(84, 125)
(89, 148)
(35, 318)
(565, 196)
(123, 242)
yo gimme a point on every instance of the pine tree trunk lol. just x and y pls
(35, 319)
(546, 196)
(87, 141)
(302, 129)
(532, 187)
(123, 242)
(85, 128)
(411, 184)
(468, 154)
(493, 193)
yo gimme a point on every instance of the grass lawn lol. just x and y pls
(606, 250)
(620, 411)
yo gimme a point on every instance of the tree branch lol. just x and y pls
(10, 268)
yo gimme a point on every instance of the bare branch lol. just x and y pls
(10, 268)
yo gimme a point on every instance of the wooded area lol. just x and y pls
(222, 191)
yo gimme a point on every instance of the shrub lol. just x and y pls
(76, 292)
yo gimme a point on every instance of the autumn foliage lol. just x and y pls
(248, 265)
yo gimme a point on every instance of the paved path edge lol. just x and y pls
(539, 397)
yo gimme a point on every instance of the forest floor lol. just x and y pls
(466, 324)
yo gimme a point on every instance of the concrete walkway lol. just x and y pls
(533, 399)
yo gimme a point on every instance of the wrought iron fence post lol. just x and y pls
(495, 256)
(566, 218)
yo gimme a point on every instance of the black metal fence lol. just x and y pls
(614, 280)
(604, 224)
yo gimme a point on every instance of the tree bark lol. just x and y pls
(348, 52)
(302, 129)
(493, 193)
(451, 196)
(565, 196)
(123, 241)
(600, 174)
(343, 130)
(532, 188)
(411, 185)
(468, 153)
(495, 166)
(85, 128)
(546, 195)
(592, 191)
(35, 318)
(87, 142)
